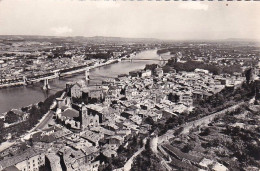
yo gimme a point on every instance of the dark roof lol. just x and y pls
(71, 113)
(132, 107)
(113, 87)
(64, 107)
(48, 138)
(180, 154)
(11, 168)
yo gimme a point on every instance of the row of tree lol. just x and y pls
(190, 66)
(36, 112)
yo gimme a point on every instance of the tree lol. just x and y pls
(170, 97)
(248, 74)
(187, 148)
(205, 132)
(24, 109)
(34, 116)
(149, 120)
(151, 67)
(122, 92)
(11, 117)
(1, 124)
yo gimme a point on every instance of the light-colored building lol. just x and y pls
(30, 160)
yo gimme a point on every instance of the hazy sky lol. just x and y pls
(143, 19)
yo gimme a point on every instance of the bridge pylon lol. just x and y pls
(25, 80)
(46, 85)
(87, 74)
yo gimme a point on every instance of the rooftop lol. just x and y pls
(71, 113)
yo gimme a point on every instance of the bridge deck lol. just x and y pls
(144, 59)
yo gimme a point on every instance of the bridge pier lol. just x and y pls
(46, 85)
(87, 74)
(25, 80)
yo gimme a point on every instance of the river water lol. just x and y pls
(17, 97)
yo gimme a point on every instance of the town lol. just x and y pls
(185, 114)
(31, 59)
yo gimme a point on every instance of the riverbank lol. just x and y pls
(74, 70)
(36, 114)
(17, 97)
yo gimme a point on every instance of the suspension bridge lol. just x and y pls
(98, 77)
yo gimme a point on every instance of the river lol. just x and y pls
(17, 97)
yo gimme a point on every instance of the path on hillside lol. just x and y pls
(128, 165)
(201, 121)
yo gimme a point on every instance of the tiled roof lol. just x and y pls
(19, 158)
(72, 113)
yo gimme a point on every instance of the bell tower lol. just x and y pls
(84, 117)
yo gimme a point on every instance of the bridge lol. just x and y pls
(161, 60)
(40, 78)
(144, 59)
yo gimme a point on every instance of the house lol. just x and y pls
(186, 99)
(109, 153)
(134, 73)
(131, 92)
(63, 101)
(146, 73)
(103, 131)
(93, 166)
(116, 139)
(70, 118)
(96, 93)
(76, 91)
(92, 137)
(109, 99)
(30, 160)
(159, 72)
(90, 153)
(71, 159)
(53, 161)
(114, 90)
(201, 71)
(136, 119)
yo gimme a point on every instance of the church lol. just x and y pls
(77, 116)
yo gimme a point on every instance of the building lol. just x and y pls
(201, 71)
(76, 91)
(91, 116)
(159, 72)
(146, 73)
(52, 161)
(70, 118)
(30, 160)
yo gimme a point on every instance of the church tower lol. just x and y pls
(84, 117)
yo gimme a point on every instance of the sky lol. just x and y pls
(136, 19)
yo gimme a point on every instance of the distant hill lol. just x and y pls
(241, 40)
(76, 38)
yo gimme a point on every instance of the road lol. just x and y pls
(128, 165)
(44, 121)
